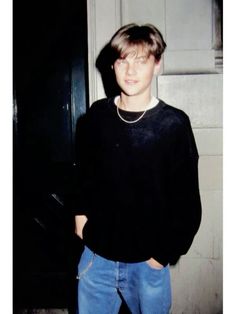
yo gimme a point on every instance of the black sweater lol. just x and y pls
(138, 183)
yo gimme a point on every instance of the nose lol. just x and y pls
(131, 69)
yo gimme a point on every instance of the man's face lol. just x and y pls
(135, 71)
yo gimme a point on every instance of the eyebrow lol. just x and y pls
(136, 58)
(142, 57)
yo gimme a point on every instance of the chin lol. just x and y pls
(130, 92)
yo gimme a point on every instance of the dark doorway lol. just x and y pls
(50, 94)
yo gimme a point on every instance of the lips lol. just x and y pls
(131, 82)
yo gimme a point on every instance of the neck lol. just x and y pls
(134, 103)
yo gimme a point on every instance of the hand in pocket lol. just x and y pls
(154, 264)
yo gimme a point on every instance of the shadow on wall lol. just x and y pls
(103, 63)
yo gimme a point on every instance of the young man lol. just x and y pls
(138, 207)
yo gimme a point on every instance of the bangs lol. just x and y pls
(134, 49)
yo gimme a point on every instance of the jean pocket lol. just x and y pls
(86, 262)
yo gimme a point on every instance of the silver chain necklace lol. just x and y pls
(130, 121)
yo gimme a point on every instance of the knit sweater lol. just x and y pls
(138, 183)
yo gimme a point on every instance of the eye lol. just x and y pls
(121, 61)
(142, 60)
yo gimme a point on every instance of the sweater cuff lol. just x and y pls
(162, 260)
(74, 207)
(78, 212)
(165, 258)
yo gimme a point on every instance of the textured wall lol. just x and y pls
(197, 279)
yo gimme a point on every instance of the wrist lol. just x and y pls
(80, 221)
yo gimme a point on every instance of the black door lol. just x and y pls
(50, 93)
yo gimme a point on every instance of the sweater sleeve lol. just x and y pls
(183, 206)
(79, 199)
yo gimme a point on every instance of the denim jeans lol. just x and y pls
(103, 283)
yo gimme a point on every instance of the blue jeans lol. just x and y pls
(103, 283)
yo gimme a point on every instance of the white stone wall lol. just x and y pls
(197, 279)
(190, 82)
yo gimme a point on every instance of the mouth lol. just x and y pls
(131, 82)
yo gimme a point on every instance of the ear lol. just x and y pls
(158, 66)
